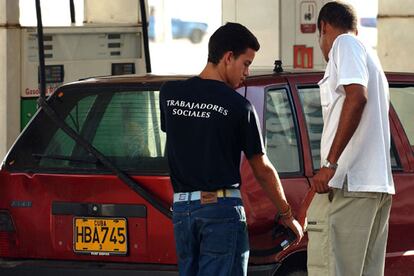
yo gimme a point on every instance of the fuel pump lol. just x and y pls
(77, 52)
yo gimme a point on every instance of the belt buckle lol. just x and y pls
(221, 193)
(208, 197)
(182, 196)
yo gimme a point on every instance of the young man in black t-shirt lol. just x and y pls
(208, 124)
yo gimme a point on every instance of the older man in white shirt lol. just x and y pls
(348, 218)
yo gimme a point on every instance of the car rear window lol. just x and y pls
(123, 124)
(311, 105)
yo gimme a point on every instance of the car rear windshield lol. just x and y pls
(123, 123)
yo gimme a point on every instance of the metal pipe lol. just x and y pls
(42, 80)
(145, 35)
(72, 12)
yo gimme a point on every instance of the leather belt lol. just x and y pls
(196, 195)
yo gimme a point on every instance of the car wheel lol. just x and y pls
(292, 272)
(196, 36)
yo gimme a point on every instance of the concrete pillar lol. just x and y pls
(109, 11)
(161, 10)
(9, 74)
(395, 34)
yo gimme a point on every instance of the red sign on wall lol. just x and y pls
(302, 56)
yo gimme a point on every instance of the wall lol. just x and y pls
(263, 20)
(109, 11)
(395, 34)
(9, 74)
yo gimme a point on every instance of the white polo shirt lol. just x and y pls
(366, 159)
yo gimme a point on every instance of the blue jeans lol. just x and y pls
(211, 239)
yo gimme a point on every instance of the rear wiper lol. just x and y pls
(68, 158)
(105, 161)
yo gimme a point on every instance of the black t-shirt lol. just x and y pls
(208, 124)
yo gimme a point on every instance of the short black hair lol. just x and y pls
(231, 37)
(339, 15)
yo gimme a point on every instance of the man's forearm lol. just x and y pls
(350, 117)
(268, 179)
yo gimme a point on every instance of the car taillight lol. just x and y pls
(6, 223)
(7, 234)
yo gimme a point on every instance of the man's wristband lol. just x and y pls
(287, 213)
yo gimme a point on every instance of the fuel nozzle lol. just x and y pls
(290, 238)
(287, 235)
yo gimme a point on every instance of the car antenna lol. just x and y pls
(278, 66)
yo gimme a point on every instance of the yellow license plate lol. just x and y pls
(100, 236)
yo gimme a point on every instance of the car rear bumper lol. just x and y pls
(78, 268)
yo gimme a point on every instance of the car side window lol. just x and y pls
(402, 98)
(281, 133)
(311, 105)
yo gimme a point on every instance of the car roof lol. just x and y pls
(256, 76)
(154, 78)
(133, 78)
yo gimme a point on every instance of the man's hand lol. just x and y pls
(294, 225)
(321, 180)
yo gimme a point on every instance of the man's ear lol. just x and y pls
(227, 57)
(323, 27)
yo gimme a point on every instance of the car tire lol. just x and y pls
(196, 36)
(293, 266)
(292, 272)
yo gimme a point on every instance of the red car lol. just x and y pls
(85, 188)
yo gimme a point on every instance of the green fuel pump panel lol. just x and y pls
(28, 107)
